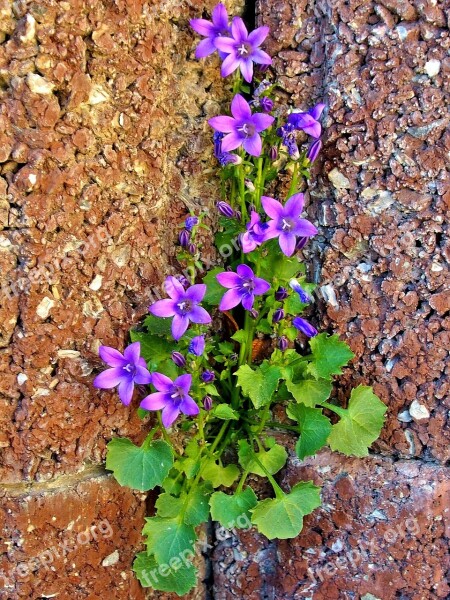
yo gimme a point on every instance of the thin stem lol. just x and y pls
(336, 409)
(276, 488)
(294, 181)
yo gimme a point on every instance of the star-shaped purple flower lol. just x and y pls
(308, 121)
(172, 397)
(211, 30)
(255, 234)
(183, 306)
(243, 49)
(127, 369)
(244, 286)
(243, 128)
(286, 223)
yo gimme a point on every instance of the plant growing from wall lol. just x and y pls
(213, 388)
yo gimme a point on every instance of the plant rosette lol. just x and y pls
(213, 390)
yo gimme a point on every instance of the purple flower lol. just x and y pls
(211, 30)
(243, 49)
(224, 158)
(225, 209)
(286, 222)
(308, 121)
(254, 236)
(301, 243)
(182, 306)
(287, 135)
(266, 104)
(304, 296)
(313, 150)
(207, 376)
(127, 369)
(197, 345)
(190, 223)
(242, 128)
(304, 327)
(172, 396)
(178, 359)
(244, 286)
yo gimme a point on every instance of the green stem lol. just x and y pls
(276, 425)
(149, 438)
(241, 183)
(294, 181)
(276, 488)
(336, 409)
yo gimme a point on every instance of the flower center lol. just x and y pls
(176, 393)
(185, 306)
(247, 130)
(129, 368)
(286, 224)
(248, 285)
(244, 50)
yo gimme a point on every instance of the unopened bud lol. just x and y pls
(283, 344)
(184, 238)
(207, 403)
(178, 359)
(225, 209)
(278, 315)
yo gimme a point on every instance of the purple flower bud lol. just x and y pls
(184, 238)
(191, 248)
(225, 209)
(304, 327)
(281, 294)
(183, 280)
(304, 297)
(207, 376)
(262, 68)
(178, 359)
(266, 104)
(197, 345)
(254, 313)
(273, 153)
(278, 315)
(238, 215)
(190, 223)
(207, 403)
(283, 344)
(301, 243)
(313, 150)
(262, 87)
(233, 357)
(249, 185)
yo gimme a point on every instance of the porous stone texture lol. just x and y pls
(381, 195)
(383, 532)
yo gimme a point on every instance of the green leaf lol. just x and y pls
(214, 290)
(329, 354)
(310, 391)
(167, 538)
(282, 517)
(273, 460)
(154, 349)
(359, 425)
(218, 475)
(278, 265)
(259, 384)
(314, 429)
(225, 412)
(240, 336)
(141, 468)
(179, 576)
(194, 505)
(233, 510)
(158, 325)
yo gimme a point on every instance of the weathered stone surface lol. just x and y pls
(103, 148)
(383, 529)
(382, 195)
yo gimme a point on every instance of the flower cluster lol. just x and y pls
(221, 350)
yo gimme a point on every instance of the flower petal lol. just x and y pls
(272, 207)
(316, 111)
(245, 271)
(111, 356)
(142, 363)
(314, 130)
(247, 301)
(287, 243)
(248, 243)
(257, 36)
(223, 123)
(196, 292)
(126, 388)
(253, 145)
(220, 16)
(202, 27)
(109, 378)
(230, 299)
(260, 57)
(262, 121)
(199, 315)
(240, 108)
(169, 415)
(247, 69)
(230, 64)
(228, 279)
(184, 382)
(132, 353)
(179, 325)
(305, 229)
(173, 287)
(231, 141)
(294, 206)
(239, 30)
(154, 401)
(161, 382)
(189, 407)
(142, 376)
(225, 44)
(204, 48)
(163, 308)
(261, 286)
